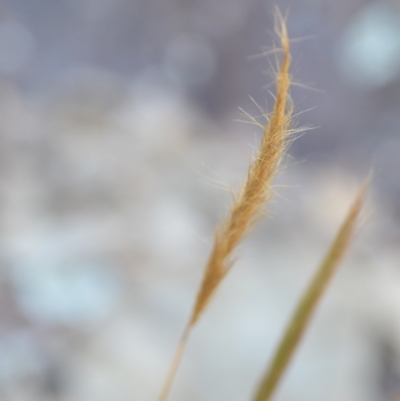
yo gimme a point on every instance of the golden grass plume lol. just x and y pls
(245, 211)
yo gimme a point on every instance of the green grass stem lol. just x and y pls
(309, 301)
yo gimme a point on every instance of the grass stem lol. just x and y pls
(309, 301)
(175, 364)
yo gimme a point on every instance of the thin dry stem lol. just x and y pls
(175, 364)
(255, 193)
(311, 297)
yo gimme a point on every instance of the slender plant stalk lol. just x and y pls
(175, 363)
(245, 211)
(311, 297)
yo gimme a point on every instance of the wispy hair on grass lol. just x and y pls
(247, 207)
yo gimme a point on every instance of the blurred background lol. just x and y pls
(119, 144)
